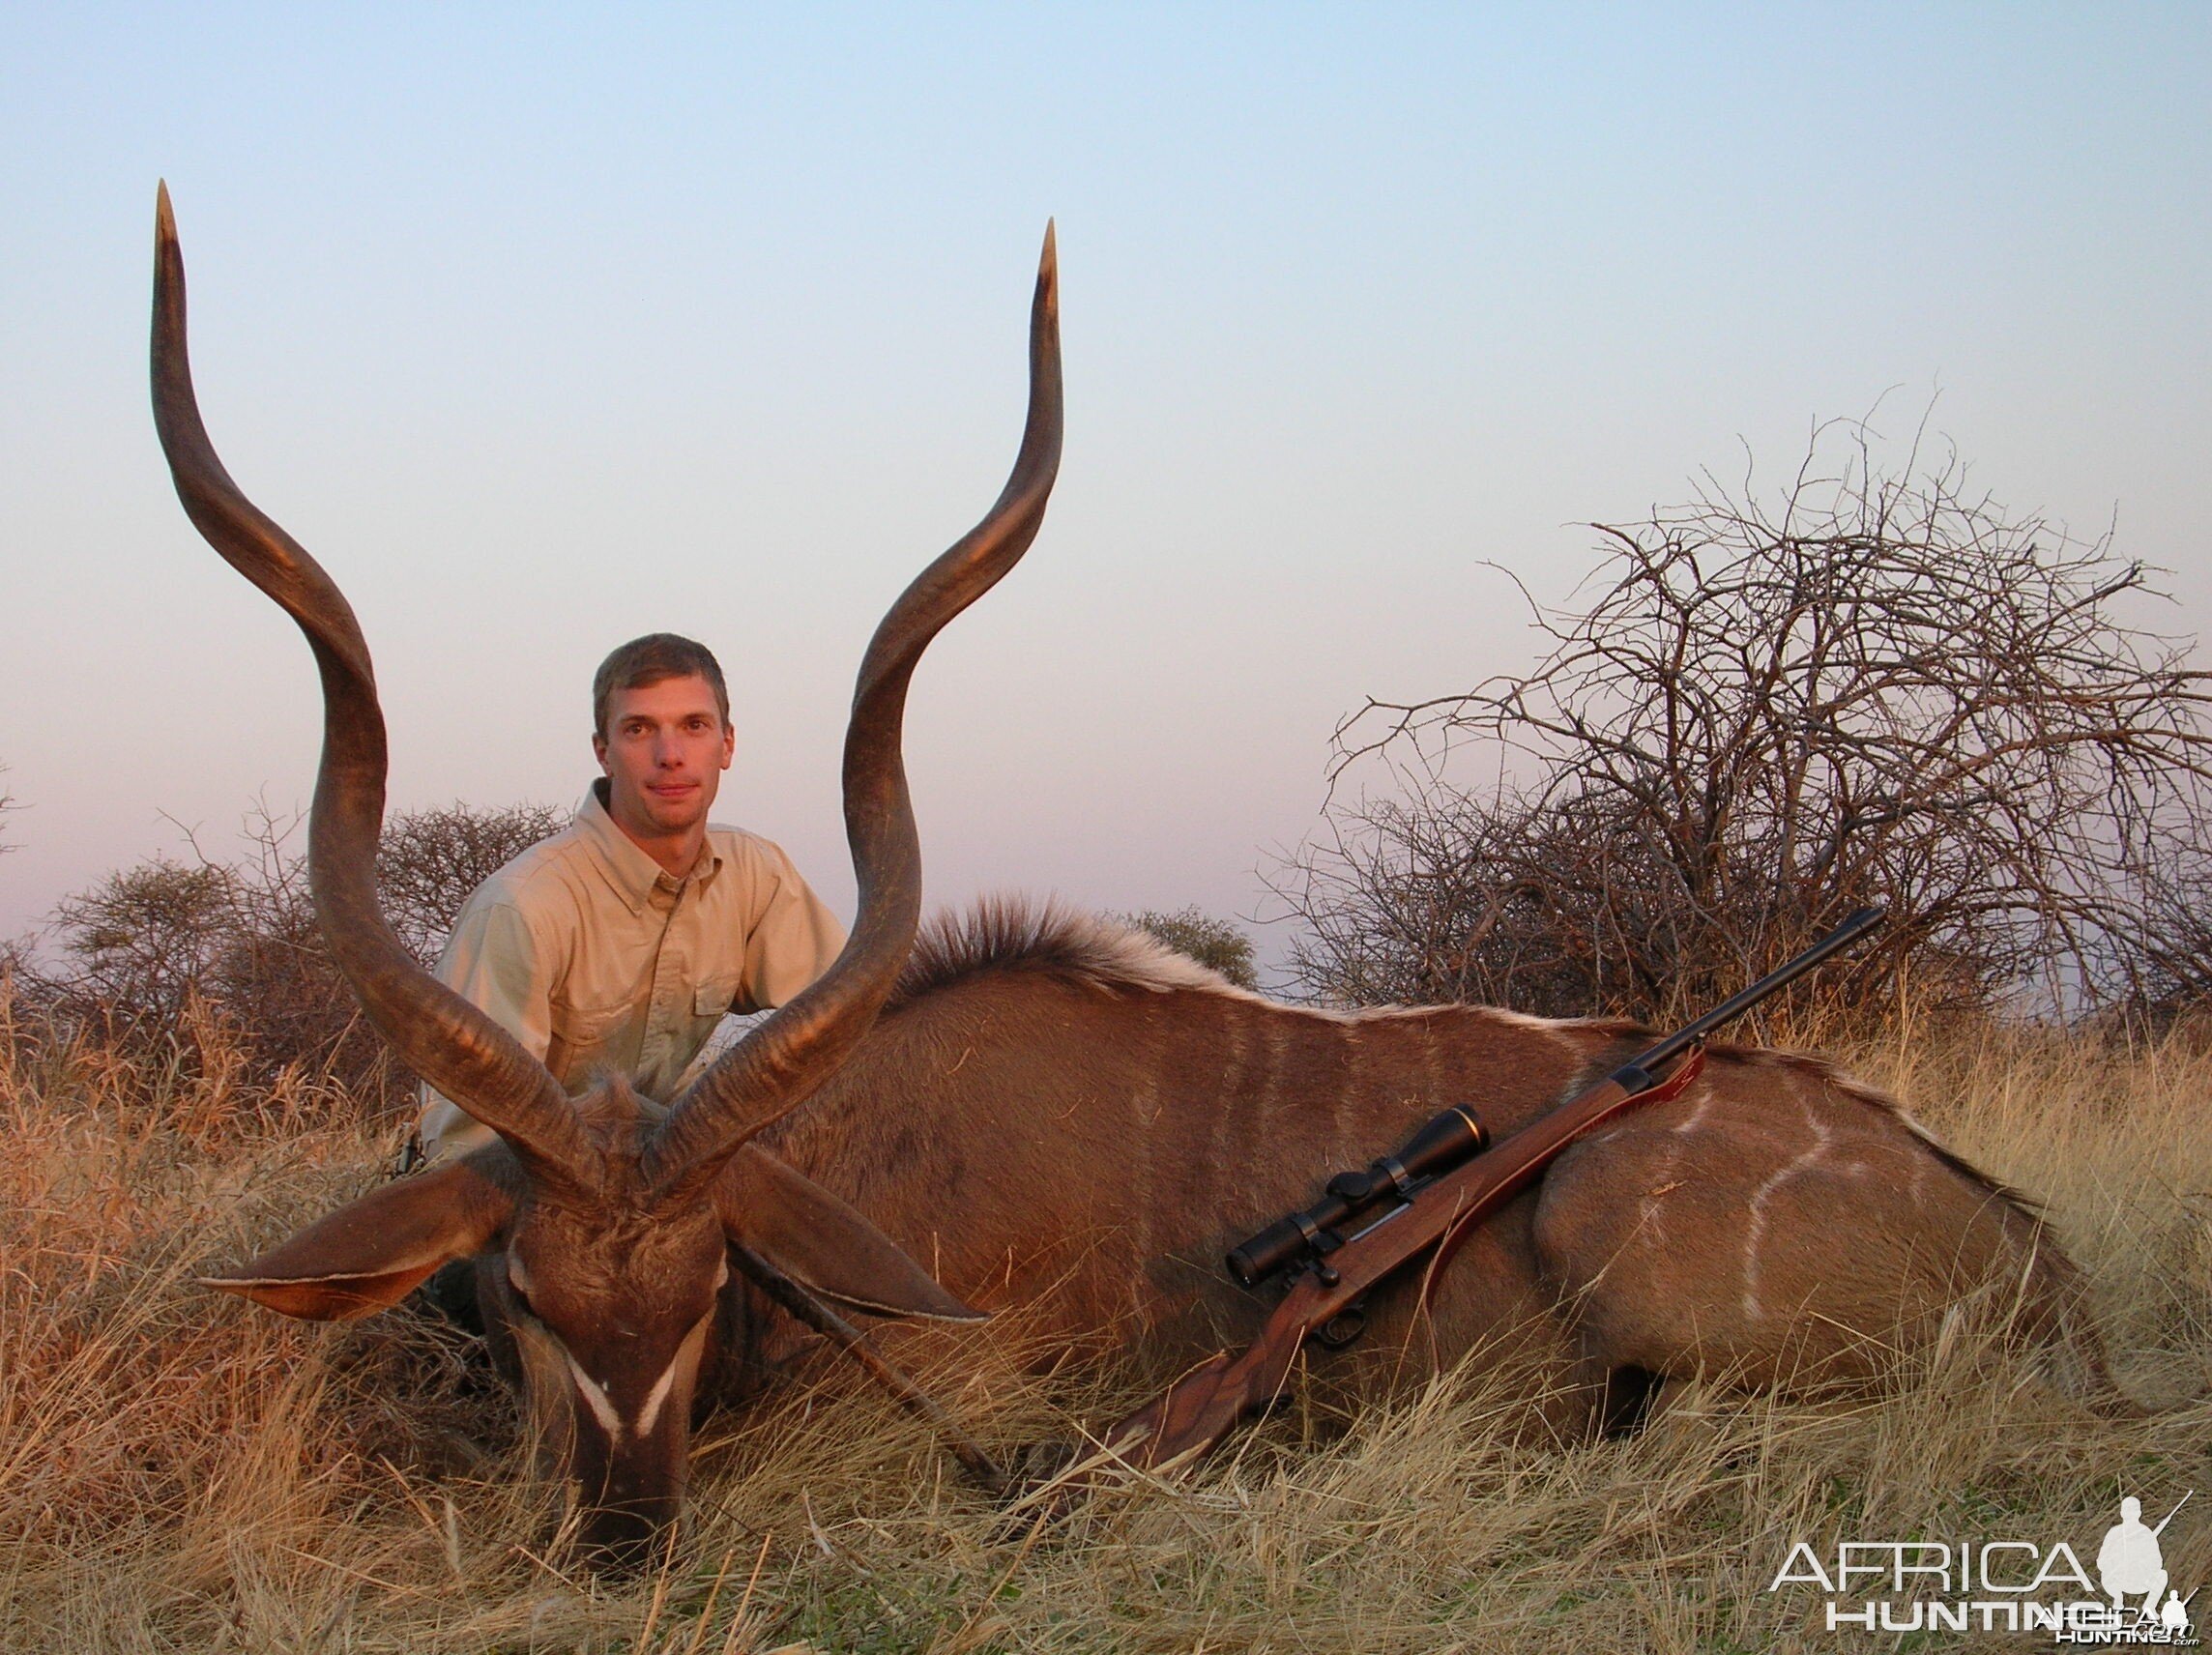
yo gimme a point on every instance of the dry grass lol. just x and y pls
(179, 1472)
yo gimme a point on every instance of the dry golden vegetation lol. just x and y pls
(183, 1472)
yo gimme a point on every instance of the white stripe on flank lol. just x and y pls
(1755, 1225)
(1703, 1093)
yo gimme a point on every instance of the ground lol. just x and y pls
(183, 1472)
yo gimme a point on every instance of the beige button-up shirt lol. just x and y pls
(596, 958)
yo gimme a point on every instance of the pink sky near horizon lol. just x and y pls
(541, 329)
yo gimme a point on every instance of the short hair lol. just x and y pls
(650, 660)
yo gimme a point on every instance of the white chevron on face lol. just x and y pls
(595, 1394)
(686, 1356)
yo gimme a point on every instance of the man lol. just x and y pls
(619, 944)
(2129, 1561)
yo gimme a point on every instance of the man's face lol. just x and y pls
(664, 750)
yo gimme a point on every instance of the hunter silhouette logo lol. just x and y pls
(2005, 1585)
(2131, 1561)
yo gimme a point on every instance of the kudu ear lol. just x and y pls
(372, 1252)
(815, 1239)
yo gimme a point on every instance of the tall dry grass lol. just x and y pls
(180, 1471)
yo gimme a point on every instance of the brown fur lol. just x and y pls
(1057, 1110)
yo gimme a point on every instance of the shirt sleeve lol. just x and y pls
(493, 961)
(792, 940)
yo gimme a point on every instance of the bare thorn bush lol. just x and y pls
(1759, 714)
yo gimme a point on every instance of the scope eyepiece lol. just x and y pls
(1268, 1251)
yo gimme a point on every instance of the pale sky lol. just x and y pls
(543, 327)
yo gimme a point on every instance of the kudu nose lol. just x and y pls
(624, 1538)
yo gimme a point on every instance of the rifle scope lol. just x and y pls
(1439, 1144)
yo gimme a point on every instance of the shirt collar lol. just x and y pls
(632, 873)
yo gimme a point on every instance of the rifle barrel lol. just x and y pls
(1729, 1011)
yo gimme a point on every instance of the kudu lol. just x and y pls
(615, 1231)
(1059, 1113)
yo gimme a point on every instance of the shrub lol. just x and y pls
(142, 937)
(149, 943)
(1871, 689)
(1211, 941)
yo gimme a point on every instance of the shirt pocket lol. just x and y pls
(580, 1036)
(710, 1000)
(710, 1035)
(710, 1003)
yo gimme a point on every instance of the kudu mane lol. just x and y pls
(1020, 934)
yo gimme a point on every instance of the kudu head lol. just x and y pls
(618, 1230)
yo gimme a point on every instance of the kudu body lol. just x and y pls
(1058, 1112)
(1054, 1111)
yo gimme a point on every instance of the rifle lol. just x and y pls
(1430, 1194)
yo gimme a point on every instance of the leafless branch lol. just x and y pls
(1762, 713)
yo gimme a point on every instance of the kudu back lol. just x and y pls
(616, 1231)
